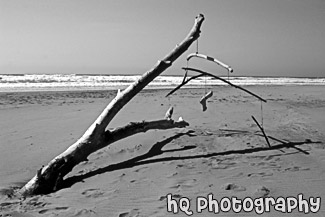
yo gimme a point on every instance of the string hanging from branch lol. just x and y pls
(262, 121)
(207, 95)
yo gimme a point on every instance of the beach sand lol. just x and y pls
(222, 151)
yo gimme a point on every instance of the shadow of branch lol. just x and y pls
(156, 150)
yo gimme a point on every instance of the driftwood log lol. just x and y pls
(49, 177)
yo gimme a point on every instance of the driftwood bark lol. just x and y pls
(48, 178)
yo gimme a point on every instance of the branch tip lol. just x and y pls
(169, 113)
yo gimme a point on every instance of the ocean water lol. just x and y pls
(55, 82)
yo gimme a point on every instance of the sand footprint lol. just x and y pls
(132, 213)
(164, 197)
(141, 169)
(296, 169)
(270, 157)
(172, 175)
(258, 164)
(185, 184)
(262, 174)
(226, 164)
(188, 183)
(273, 165)
(190, 166)
(84, 212)
(234, 187)
(266, 165)
(93, 193)
(53, 209)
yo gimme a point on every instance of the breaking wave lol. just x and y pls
(39, 82)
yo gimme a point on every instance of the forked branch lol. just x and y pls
(185, 81)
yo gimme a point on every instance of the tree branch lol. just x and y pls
(114, 107)
(183, 83)
(96, 136)
(142, 127)
(221, 79)
(262, 129)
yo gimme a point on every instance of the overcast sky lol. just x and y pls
(255, 37)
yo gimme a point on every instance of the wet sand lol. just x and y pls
(222, 151)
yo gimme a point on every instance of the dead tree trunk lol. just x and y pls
(48, 178)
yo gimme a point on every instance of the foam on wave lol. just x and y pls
(84, 82)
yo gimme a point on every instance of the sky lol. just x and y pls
(254, 37)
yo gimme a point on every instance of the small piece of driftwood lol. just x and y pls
(210, 59)
(204, 99)
(169, 113)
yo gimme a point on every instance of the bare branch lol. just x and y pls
(261, 128)
(126, 95)
(142, 127)
(185, 81)
(221, 79)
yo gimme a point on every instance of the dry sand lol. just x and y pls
(132, 177)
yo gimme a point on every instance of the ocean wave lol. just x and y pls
(75, 81)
